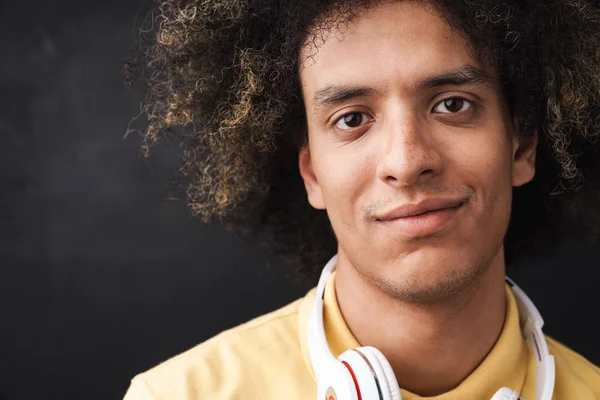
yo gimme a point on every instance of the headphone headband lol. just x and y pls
(320, 354)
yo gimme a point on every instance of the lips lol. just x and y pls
(420, 220)
(423, 207)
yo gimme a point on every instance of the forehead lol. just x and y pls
(391, 46)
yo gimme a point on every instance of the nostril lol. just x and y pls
(424, 172)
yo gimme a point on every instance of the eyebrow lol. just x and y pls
(336, 94)
(464, 75)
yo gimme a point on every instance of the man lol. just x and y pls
(411, 125)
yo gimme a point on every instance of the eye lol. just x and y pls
(452, 105)
(352, 120)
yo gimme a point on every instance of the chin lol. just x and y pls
(428, 279)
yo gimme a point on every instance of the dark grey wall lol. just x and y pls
(100, 277)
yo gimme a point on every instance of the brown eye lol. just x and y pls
(351, 120)
(452, 105)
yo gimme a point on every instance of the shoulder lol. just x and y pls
(239, 359)
(575, 375)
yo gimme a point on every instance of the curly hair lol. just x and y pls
(222, 80)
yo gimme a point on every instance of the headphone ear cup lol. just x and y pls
(368, 383)
(506, 394)
(337, 383)
(384, 371)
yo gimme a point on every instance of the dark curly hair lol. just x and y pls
(222, 81)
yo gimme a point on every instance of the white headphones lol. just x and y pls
(365, 374)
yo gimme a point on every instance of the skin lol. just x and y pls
(400, 142)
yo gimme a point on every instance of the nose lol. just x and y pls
(409, 154)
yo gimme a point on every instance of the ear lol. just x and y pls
(311, 183)
(524, 152)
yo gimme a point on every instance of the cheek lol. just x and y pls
(344, 175)
(487, 160)
(486, 166)
(495, 166)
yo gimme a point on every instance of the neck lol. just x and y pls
(457, 333)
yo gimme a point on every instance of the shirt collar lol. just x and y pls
(505, 366)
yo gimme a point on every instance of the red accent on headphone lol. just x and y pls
(353, 378)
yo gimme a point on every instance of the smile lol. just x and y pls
(422, 225)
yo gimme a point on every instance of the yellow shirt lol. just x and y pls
(267, 359)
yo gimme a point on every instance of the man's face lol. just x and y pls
(400, 114)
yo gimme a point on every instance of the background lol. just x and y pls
(101, 277)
